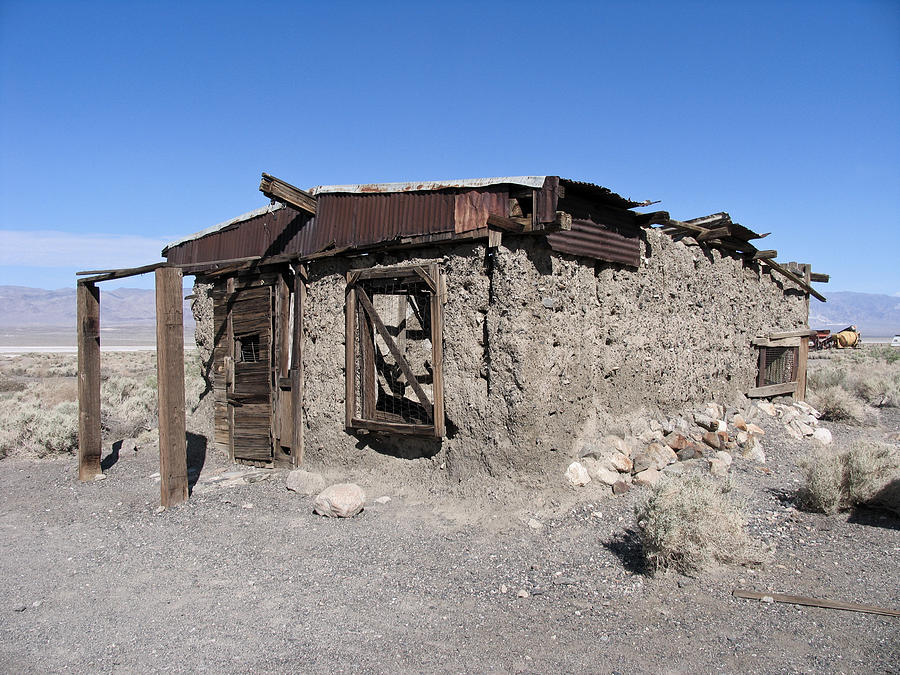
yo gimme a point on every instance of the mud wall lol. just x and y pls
(543, 351)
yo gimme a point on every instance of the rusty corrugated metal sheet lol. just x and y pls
(264, 235)
(366, 216)
(600, 242)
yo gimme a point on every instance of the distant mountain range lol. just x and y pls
(23, 307)
(874, 315)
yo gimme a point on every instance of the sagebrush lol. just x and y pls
(694, 524)
(866, 473)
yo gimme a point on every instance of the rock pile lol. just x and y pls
(711, 438)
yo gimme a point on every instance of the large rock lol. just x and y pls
(648, 477)
(662, 455)
(822, 435)
(718, 468)
(343, 500)
(577, 475)
(677, 441)
(305, 482)
(620, 462)
(707, 422)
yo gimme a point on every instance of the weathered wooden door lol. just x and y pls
(250, 393)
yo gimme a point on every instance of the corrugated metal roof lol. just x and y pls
(424, 186)
(221, 226)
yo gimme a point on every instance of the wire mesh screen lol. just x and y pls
(393, 365)
(781, 365)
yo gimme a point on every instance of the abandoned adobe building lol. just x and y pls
(482, 323)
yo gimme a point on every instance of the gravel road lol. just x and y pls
(244, 578)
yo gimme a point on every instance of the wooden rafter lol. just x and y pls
(275, 188)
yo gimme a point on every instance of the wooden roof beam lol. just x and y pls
(275, 188)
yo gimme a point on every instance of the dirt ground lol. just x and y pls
(244, 578)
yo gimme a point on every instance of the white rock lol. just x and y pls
(605, 476)
(804, 429)
(577, 475)
(648, 477)
(676, 469)
(718, 468)
(305, 482)
(822, 435)
(725, 457)
(620, 462)
(382, 500)
(522, 594)
(753, 451)
(343, 500)
(767, 407)
(722, 425)
(503, 589)
(535, 524)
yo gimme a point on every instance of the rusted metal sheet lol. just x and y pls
(428, 186)
(600, 242)
(265, 234)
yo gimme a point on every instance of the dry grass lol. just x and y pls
(692, 525)
(865, 474)
(842, 383)
(39, 406)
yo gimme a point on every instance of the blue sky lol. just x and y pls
(124, 125)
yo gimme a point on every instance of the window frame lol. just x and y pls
(355, 301)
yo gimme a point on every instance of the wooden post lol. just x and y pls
(170, 369)
(89, 447)
(802, 354)
(437, 351)
(350, 352)
(297, 368)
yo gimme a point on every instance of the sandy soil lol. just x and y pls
(245, 578)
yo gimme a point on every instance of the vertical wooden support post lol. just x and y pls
(350, 352)
(88, 381)
(170, 369)
(297, 367)
(802, 354)
(437, 350)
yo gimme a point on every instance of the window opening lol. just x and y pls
(393, 371)
(246, 348)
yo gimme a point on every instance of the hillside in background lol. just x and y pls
(874, 315)
(23, 307)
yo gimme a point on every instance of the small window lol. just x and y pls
(246, 348)
(777, 365)
(395, 351)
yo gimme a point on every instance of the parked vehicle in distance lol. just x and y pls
(896, 341)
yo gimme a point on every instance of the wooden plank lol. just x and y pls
(820, 278)
(654, 218)
(392, 347)
(799, 332)
(437, 352)
(122, 273)
(495, 238)
(772, 390)
(383, 273)
(170, 378)
(816, 602)
(89, 441)
(393, 428)
(229, 363)
(350, 352)
(765, 255)
(275, 188)
(297, 379)
(715, 233)
(793, 277)
(778, 342)
(367, 376)
(802, 355)
(504, 224)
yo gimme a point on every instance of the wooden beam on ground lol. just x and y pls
(793, 277)
(772, 390)
(297, 383)
(275, 188)
(170, 368)
(816, 602)
(89, 444)
(819, 278)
